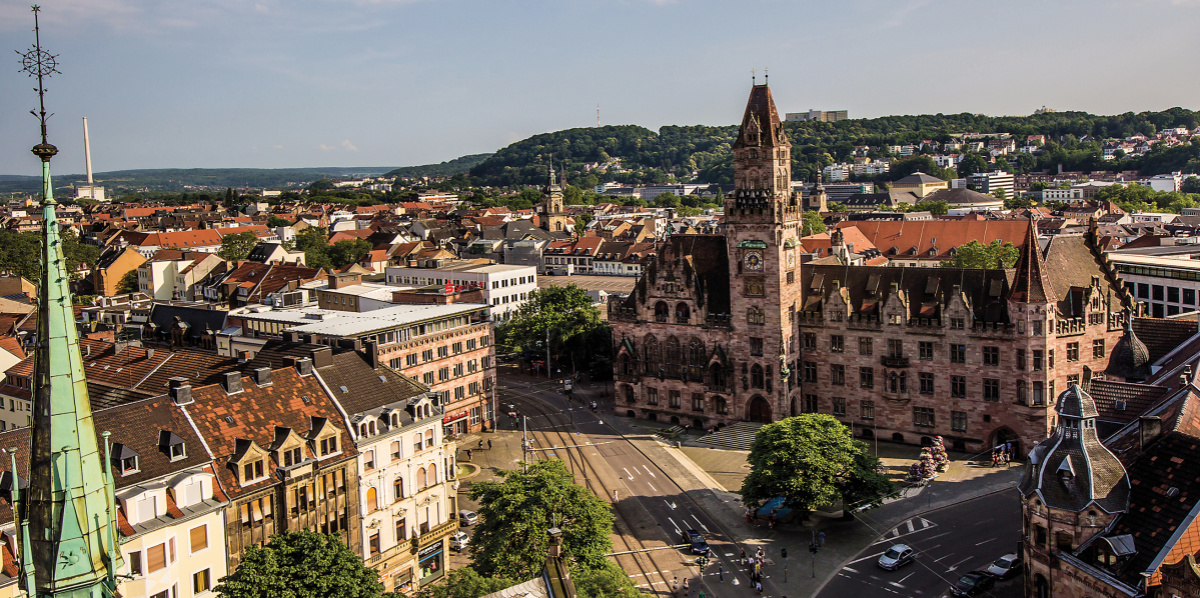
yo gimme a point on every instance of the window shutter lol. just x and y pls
(156, 558)
(199, 538)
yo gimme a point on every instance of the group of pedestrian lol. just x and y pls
(478, 448)
(1002, 455)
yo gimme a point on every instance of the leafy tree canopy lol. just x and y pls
(977, 255)
(275, 221)
(128, 283)
(237, 246)
(467, 583)
(570, 318)
(811, 461)
(515, 514)
(301, 565)
(812, 223)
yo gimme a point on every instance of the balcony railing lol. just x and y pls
(1066, 326)
(718, 320)
(894, 361)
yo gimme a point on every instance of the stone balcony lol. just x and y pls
(894, 361)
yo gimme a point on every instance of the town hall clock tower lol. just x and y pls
(762, 227)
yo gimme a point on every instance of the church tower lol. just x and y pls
(67, 532)
(762, 221)
(551, 214)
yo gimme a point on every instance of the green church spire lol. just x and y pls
(68, 532)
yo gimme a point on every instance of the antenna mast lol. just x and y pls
(597, 116)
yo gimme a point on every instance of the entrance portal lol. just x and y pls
(758, 410)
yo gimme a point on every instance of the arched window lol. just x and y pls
(398, 488)
(629, 396)
(650, 357)
(371, 427)
(716, 375)
(372, 499)
(433, 479)
(696, 356)
(672, 356)
(362, 430)
(757, 380)
(682, 313)
(428, 438)
(755, 316)
(661, 311)
(421, 480)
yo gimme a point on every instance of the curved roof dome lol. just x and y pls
(1130, 359)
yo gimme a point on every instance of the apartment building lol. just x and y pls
(991, 182)
(505, 287)
(446, 346)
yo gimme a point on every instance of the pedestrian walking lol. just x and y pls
(686, 586)
(489, 445)
(701, 594)
(468, 454)
(758, 587)
(721, 573)
(821, 537)
(1007, 457)
(480, 447)
(743, 557)
(675, 586)
(995, 458)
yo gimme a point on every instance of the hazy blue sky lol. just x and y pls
(300, 83)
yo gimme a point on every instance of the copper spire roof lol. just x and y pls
(761, 126)
(1030, 285)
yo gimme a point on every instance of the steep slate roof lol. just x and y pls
(1129, 359)
(761, 117)
(1072, 469)
(702, 261)
(255, 413)
(918, 178)
(1030, 285)
(962, 197)
(1120, 402)
(1163, 335)
(1157, 517)
(369, 390)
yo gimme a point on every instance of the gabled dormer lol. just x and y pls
(288, 447)
(172, 445)
(249, 462)
(324, 438)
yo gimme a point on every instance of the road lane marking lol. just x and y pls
(676, 525)
(908, 576)
(868, 557)
(651, 487)
(647, 468)
(627, 473)
(986, 541)
(850, 570)
(955, 565)
(702, 526)
(668, 503)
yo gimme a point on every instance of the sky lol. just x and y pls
(312, 83)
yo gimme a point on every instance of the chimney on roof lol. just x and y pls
(262, 376)
(322, 357)
(372, 350)
(291, 336)
(1149, 427)
(149, 353)
(180, 391)
(233, 382)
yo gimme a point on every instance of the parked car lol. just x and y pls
(468, 517)
(459, 541)
(696, 541)
(1006, 566)
(973, 584)
(897, 556)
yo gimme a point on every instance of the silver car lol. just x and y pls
(1005, 566)
(897, 556)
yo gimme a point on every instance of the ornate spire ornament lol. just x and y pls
(69, 539)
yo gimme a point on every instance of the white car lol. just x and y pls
(1005, 566)
(459, 541)
(897, 556)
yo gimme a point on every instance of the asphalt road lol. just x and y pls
(948, 542)
(654, 509)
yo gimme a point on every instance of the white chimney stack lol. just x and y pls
(87, 152)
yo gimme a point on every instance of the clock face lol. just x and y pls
(754, 260)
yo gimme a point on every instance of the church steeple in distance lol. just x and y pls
(69, 537)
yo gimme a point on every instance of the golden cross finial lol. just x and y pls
(754, 76)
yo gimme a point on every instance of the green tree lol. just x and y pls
(1014, 203)
(836, 206)
(347, 251)
(667, 200)
(977, 255)
(314, 242)
(76, 252)
(1190, 185)
(971, 164)
(937, 208)
(1000, 194)
(516, 512)
(567, 315)
(274, 221)
(237, 246)
(812, 461)
(466, 583)
(301, 565)
(128, 283)
(811, 223)
(609, 581)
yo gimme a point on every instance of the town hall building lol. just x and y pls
(725, 328)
